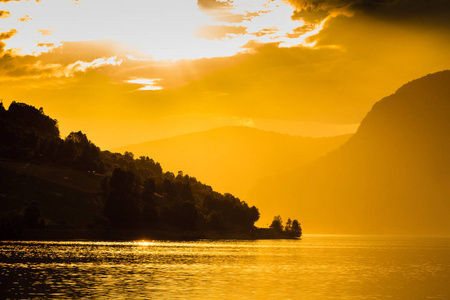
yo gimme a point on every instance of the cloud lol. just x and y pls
(83, 66)
(71, 52)
(431, 12)
(158, 28)
(4, 14)
(221, 11)
(48, 45)
(299, 31)
(25, 18)
(8, 34)
(212, 32)
(5, 36)
(16, 67)
(22, 67)
(44, 32)
(13, 66)
(214, 4)
(225, 11)
(72, 58)
(310, 15)
(333, 5)
(266, 31)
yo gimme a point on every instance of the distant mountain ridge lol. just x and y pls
(391, 177)
(234, 158)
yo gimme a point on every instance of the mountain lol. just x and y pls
(233, 159)
(391, 177)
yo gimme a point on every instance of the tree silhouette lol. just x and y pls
(31, 215)
(120, 207)
(288, 226)
(296, 228)
(277, 223)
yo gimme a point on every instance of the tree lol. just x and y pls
(31, 215)
(288, 226)
(120, 207)
(149, 215)
(186, 216)
(32, 118)
(2, 109)
(296, 228)
(277, 223)
(214, 221)
(83, 153)
(78, 138)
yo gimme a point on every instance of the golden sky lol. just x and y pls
(130, 71)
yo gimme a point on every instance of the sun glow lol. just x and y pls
(163, 30)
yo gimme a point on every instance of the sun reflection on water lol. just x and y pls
(144, 243)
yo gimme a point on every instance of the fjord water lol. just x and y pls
(315, 267)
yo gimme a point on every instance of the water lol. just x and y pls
(315, 267)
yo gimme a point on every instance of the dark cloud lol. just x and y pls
(330, 5)
(5, 36)
(8, 34)
(310, 15)
(434, 13)
(4, 14)
(420, 12)
(12, 65)
(214, 32)
(23, 66)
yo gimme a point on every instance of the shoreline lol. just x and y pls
(134, 235)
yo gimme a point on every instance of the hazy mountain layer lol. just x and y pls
(391, 177)
(233, 159)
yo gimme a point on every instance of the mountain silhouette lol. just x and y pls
(234, 158)
(391, 177)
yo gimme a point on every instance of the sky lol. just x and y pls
(126, 72)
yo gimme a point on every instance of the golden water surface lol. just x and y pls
(315, 267)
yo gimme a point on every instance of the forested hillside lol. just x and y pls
(71, 183)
